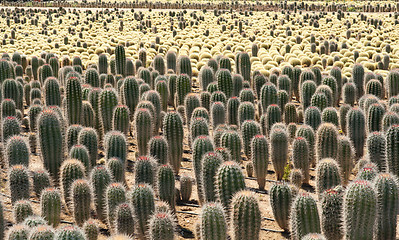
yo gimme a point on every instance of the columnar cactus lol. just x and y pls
(162, 88)
(117, 169)
(356, 130)
(81, 196)
(102, 64)
(171, 61)
(184, 65)
(392, 83)
(225, 82)
(10, 126)
(232, 110)
(173, 130)
(8, 108)
(18, 184)
(130, 93)
(94, 96)
(17, 151)
(273, 115)
(121, 119)
(300, 157)
(73, 94)
(198, 127)
(50, 205)
(144, 169)
(386, 188)
(72, 134)
(376, 149)
(360, 210)
(358, 78)
(158, 148)
(183, 87)
(229, 180)
(246, 111)
(120, 60)
(161, 226)
(115, 145)
(88, 115)
(81, 153)
(107, 102)
(331, 213)
(389, 119)
(345, 153)
(349, 93)
(166, 185)
(375, 114)
(142, 199)
(21, 210)
(232, 141)
(260, 158)
(327, 175)
(268, 95)
(71, 170)
(312, 117)
(245, 216)
(40, 180)
(90, 228)
(100, 178)
(308, 88)
(213, 224)
(244, 66)
(124, 222)
(69, 232)
(89, 138)
(281, 197)
(279, 150)
(114, 195)
(211, 161)
(201, 145)
(326, 141)
(304, 216)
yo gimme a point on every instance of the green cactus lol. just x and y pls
(184, 66)
(124, 221)
(17, 151)
(161, 226)
(237, 84)
(130, 93)
(349, 93)
(115, 194)
(102, 64)
(142, 199)
(327, 175)
(107, 102)
(191, 102)
(73, 100)
(72, 134)
(268, 95)
(71, 170)
(376, 149)
(211, 161)
(245, 216)
(374, 117)
(183, 87)
(88, 115)
(42, 233)
(249, 129)
(244, 65)
(198, 127)
(158, 148)
(17, 232)
(120, 60)
(92, 77)
(225, 82)
(186, 184)
(233, 142)
(273, 115)
(50, 205)
(213, 222)
(40, 180)
(356, 130)
(162, 88)
(247, 95)
(279, 150)
(166, 185)
(229, 180)
(260, 158)
(10, 126)
(300, 157)
(246, 111)
(88, 138)
(90, 228)
(308, 88)
(81, 196)
(69, 232)
(8, 108)
(144, 169)
(392, 83)
(19, 186)
(304, 217)
(331, 215)
(281, 198)
(117, 169)
(389, 119)
(100, 178)
(171, 61)
(359, 210)
(115, 145)
(345, 154)
(173, 130)
(326, 141)
(121, 119)
(358, 79)
(21, 210)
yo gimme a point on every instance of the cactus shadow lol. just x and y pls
(308, 187)
(184, 232)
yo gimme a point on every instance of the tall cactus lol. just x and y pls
(260, 158)
(173, 130)
(213, 222)
(50, 204)
(120, 60)
(326, 141)
(143, 203)
(230, 180)
(356, 130)
(279, 151)
(281, 198)
(100, 178)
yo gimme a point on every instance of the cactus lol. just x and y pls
(279, 150)
(284, 83)
(356, 131)
(349, 93)
(183, 87)
(18, 184)
(237, 84)
(50, 205)
(102, 64)
(304, 216)
(273, 115)
(229, 180)
(198, 127)
(225, 82)
(8, 108)
(161, 226)
(115, 194)
(121, 119)
(17, 232)
(246, 111)
(300, 157)
(184, 66)
(244, 65)
(191, 102)
(211, 161)
(158, 148)
(281, 198)
(71, 170)
(21, 210)
(10, 127)
(320, 100)
(40, 180)
(159, 64)
(94, 96)
(389, 119)
(117, 169)
(17, 151)
(392, 83)
(327, 175)
(268, 95)
(358, 79)
(166, 185)
(260, 158)
(186, 184)
(144, 169)
(42, 233)
(331, 215)
(201, 145)
(115, 145)
(69, 232)
(100, 178)
(233, 105)
(88, 138)
(88, 115)
(205, 76)
(359, 210)
(290, 113)
(171, 60)
(90, 228)
(345, 153)
(143, 203)
(374, 117)
(218, 112)
(312, 117)
(120, 60)
(172, 82)
(375, 88)
(107, 102)
(124, 222)
(213, 222)
(386, 188)
(81, 196)
(72, 135)
(330, 115)
(162, 88)
(173, 130)
(326, 141)
(245, 216)
(308, 88)
(296, 178)
(376, 149)
(232, 141)
(130, 93)
(73, 100)
(247, 95)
